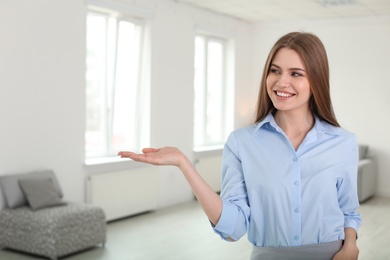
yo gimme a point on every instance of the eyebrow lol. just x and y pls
(272, 64)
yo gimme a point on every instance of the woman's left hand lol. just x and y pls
(347, 252)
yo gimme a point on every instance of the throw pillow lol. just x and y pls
(40, 193)
(12, 191)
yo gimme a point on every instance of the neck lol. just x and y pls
(294, 121)
(295, 125)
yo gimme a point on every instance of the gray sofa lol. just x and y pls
(367, 174)
(35, 219)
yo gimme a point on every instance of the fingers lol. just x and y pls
(131, 155)
(150, 150)
(160, 156)
(128, 154)
(142, 157)
(125, 154)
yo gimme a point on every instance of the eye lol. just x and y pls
(273, 70)
(296, 74)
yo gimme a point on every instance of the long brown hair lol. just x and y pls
(313, 54)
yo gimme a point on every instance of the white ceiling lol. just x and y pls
(278, 10)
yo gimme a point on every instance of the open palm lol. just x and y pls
(156, 156)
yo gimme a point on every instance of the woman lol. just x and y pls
(290, 179)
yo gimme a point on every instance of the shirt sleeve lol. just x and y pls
(347, 191)
(235, 215)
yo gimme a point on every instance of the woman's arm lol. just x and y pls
(207, 198)
(349, 249)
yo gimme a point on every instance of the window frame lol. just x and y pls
(227, 105)
(142, 132)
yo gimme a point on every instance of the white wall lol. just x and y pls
(358, 51)
(42, 68)
(42, 75)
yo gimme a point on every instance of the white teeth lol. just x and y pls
(283, 94)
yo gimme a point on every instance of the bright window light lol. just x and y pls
(113, 85)
(210, 92)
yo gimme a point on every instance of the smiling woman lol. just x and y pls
(288, 88)
(289, 180)
(302, 58)
(287, 83)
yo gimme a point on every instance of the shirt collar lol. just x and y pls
(320, 127)
(269, 119)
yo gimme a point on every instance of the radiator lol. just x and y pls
(210, 170)
(124, 193)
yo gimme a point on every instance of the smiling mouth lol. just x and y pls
(283, 94)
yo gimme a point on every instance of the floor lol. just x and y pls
(183, 232)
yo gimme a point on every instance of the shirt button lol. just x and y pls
(296, 210)
(295, 159)
(296, 237)
(296, 183)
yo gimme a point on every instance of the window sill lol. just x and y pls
(207, 151)
(103, 160)
(108, 164)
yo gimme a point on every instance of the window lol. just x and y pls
(213, 118)
(115, 95)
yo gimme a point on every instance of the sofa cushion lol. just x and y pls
(54, 231)
(40, 193)
(12, 191)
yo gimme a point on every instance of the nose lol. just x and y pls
(283, 81)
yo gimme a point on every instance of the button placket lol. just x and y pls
(296, 203)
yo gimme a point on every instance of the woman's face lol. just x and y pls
(287, 82)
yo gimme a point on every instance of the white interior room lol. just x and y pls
(42, 82)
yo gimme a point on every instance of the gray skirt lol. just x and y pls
(324, 251)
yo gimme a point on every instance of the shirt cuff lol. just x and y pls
(352, 224)
(227, 222)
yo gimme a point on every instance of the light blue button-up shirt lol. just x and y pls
(286, 197)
